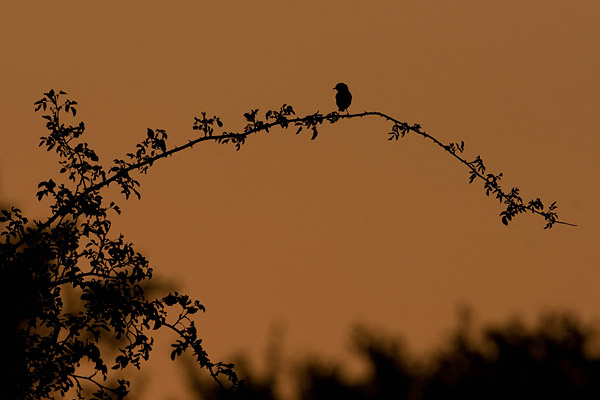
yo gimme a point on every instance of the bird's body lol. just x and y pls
(343, 98)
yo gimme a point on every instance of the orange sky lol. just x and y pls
(318, 235)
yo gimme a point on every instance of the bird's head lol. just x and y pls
(340, 86)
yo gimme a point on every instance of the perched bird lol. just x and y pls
(343, 98)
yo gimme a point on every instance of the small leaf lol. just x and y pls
(315, 133)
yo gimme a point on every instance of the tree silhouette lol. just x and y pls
(558, 358)
(73, 250)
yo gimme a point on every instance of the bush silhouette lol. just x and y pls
(554, 360)
(557, 358)
(74, 252)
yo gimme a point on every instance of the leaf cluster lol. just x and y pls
(73, 254)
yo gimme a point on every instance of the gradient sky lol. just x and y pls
(318, 235)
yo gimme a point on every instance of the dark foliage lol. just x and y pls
(557, 359)
(72, 253)
(53, 346)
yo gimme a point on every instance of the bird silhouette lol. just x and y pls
(343, 98)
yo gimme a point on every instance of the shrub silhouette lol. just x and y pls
(74, 251)
(557, 358)
(553, 360)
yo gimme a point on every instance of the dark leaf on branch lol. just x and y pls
(315, 133)
(251, 116)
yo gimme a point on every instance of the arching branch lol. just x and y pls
(154, 149)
